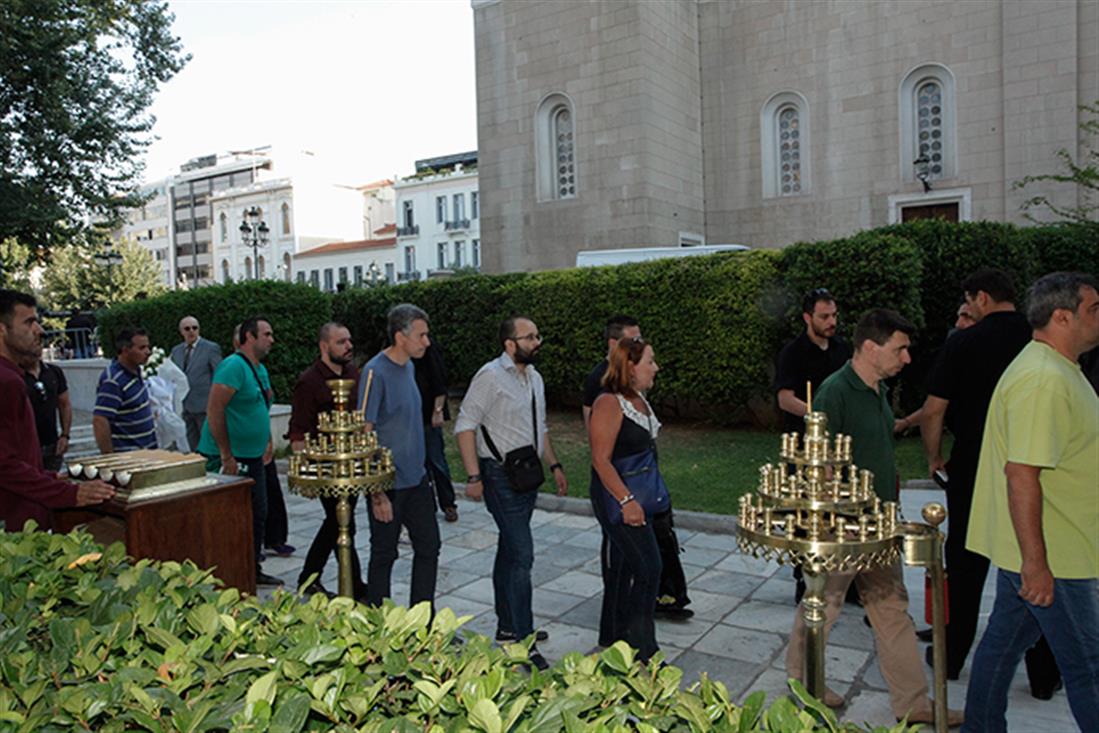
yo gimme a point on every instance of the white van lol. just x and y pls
(597, 257)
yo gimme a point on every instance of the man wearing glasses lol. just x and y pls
(197, 358)
(49, 395)
(504, 414)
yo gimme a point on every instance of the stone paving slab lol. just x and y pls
(744, 606)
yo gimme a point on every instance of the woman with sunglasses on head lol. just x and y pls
(623, 433)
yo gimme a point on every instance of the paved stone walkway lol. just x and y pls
(743, 607)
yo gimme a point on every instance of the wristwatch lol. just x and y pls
(556, 466)
(474, 478)
(625, 500)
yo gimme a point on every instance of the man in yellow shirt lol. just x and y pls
(1036, 507)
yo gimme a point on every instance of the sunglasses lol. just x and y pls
(40, 388)
(190, 328)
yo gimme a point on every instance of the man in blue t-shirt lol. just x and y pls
(123, 418)
(393, 410)
(237, 433)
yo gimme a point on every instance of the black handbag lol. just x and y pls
(522, 465)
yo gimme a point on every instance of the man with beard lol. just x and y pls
(809, 359)
(237, 435)
(504, 410)
(27, 490)
(856, 403)
(392, 407)
(312, 396)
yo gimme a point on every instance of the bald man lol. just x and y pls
(197, 357)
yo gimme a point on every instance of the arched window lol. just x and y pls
(556, 146)
(262, 267)
(223, 227)
(249, 273)
(225, 276)
(927, 122)
(285, 218)
(286, 266)
(784, 145)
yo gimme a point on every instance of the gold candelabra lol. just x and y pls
(342, 460)
(816, 509)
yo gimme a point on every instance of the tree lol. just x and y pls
(76, 80)
(15, 262)
(75, 280)
(1084, 173)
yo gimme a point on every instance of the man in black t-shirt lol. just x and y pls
(963, 378)
(49, 395)
(618, 327)
(810, 358)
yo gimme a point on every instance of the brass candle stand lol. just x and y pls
(342, 460)
(818, 510)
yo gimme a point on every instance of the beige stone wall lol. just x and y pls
(631, 71)
(668, 95)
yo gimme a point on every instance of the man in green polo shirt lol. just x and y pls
(1036, 507)
(855, 400)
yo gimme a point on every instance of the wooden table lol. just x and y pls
(210, 525)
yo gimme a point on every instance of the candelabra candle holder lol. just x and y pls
(342, 460)
(818, 510)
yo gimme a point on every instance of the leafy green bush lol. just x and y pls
(703, 315)
(295, 313)
(92, 641)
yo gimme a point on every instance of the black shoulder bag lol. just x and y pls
(522, 465)
(262, 391)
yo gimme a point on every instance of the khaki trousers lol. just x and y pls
(885, 601)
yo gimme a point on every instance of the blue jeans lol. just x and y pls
(514, 550)
(1071, 627)
(437, 467)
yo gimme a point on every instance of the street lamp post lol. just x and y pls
(108, 258)
(375, 273)
(254, 233)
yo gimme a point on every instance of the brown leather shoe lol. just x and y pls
(954, 718)
(832, 699)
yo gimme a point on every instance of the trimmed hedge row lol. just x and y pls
(90, 640)
(716, 322)
(295, 311)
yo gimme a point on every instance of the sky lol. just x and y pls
(366, 86)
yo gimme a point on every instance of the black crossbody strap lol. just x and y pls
(262, 391)
(534, 421)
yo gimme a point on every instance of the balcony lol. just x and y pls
(403, 277)
(409, 231)
(456, 225)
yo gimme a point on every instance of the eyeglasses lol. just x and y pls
(530, 336)
(820, 293)
(190, 328)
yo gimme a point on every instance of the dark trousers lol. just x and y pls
(194, 422)
(253, 469)
(413, 508)
(673, 583)
(277, 527)
(437, 469)
(633, 580)
(50, 460)
(324, 544)
(511, 583)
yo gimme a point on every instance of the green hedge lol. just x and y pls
(716, 322)
(295, 313)
(92, 641)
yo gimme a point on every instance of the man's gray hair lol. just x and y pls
(400, 318)
(1055, 291)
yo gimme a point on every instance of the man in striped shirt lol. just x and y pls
(123, 418)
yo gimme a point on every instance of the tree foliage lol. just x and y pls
(75, 280)
(76, 80)
(1084, 173)
(15, 263)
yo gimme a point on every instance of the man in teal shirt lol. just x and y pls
(854, 399)
(237, 432)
